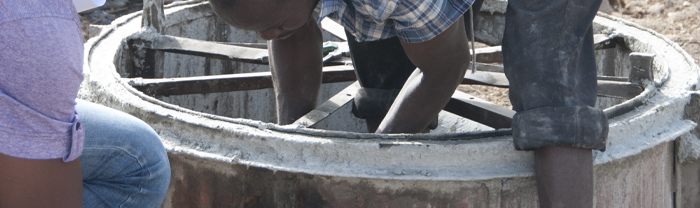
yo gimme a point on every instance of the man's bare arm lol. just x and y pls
(296, 71)
(40, 183)
(442, 61)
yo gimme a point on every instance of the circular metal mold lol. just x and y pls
(644, 123)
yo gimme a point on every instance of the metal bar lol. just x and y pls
(616, 89)
(226, 83)
(327, 108)
(479, 110)
(209, 49)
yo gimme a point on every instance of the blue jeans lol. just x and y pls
(124, 163)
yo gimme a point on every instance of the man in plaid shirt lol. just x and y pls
(547, 41)
(430, 39)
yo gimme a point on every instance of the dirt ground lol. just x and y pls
(678, 20)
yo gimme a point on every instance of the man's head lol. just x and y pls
(271, 19)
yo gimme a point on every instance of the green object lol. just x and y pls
(329, 47)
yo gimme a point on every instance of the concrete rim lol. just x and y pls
(399, 156)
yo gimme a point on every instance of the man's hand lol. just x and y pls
(297, 71)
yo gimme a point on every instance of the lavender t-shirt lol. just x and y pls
(41, 54)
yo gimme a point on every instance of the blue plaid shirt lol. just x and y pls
(411, 20)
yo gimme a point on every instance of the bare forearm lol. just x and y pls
(296, 72)
(40, 183)
(420, 100)
(442, 62)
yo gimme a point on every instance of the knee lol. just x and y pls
(143, 139)
(110, 128)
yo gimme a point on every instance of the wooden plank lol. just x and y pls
(487, 75)
(498, 68)
(612, 78)
(333, 74)
(489, 67)
(494, 54)
(248, 45)
(143, 63)
(334, 28)
(599, 40)
(242, 52)
(493, 79)
(209, 49)
(327, 108)
(489, 55)
(257, 53)
(616, 89)
(263, 80)
(479, 110)
(602, 41)
(203, 84)
(462, 104)
(227, 82)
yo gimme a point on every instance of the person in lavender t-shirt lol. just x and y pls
(56, 151)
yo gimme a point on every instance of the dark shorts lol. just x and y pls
(549, 61)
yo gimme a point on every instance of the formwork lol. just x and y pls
(206, 90)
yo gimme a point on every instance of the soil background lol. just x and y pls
(679, 20)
